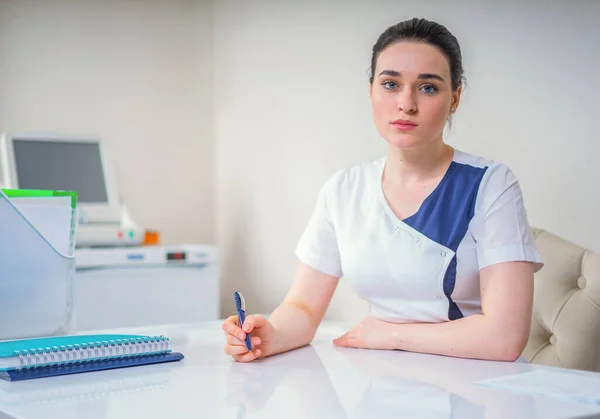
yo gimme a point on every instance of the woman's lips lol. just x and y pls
(404, 125)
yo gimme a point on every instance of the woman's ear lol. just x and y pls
(455, 99)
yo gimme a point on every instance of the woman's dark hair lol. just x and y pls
(428, 32)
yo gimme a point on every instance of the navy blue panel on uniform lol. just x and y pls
(445, 215)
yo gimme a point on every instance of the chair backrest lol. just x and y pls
(565, 328)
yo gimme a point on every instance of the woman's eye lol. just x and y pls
(429, 88)
(390, 85)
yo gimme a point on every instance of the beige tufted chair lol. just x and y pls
(565, 328)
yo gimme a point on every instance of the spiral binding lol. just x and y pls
(93, 351)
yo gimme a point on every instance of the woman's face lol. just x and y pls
(411, 94)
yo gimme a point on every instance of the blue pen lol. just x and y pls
(240, 305)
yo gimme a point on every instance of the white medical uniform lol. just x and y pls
(424, 268)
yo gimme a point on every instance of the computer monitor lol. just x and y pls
(68, 163)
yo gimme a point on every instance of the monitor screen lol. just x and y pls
(75, 166)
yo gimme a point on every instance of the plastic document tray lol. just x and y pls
(36, 280)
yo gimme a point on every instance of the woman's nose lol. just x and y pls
(406, 102)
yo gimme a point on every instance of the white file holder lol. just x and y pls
(36, 279)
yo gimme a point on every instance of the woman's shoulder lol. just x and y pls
(355, 177)
(490, 171)
(494, 179)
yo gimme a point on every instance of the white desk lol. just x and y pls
(318, 381)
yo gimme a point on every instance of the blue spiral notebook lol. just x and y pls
(24, 359)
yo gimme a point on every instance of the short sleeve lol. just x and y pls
(501, 229)
(318, 245)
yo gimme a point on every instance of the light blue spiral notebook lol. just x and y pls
(43, 357)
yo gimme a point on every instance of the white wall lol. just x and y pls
(292, 107)
(279, 91)
(136, 73)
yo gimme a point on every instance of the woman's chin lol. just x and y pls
(404, 141)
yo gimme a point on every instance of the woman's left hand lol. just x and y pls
(370, 333)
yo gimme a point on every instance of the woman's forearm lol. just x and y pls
(294, 327)
(470, 337)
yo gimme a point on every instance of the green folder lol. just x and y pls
(40, 193)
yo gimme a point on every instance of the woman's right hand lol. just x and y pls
(262, 337)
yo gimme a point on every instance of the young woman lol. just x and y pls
(435, 239)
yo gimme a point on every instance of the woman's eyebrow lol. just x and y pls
(424, 76)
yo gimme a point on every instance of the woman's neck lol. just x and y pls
(407, 166)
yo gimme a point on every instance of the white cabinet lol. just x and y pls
(138, 294)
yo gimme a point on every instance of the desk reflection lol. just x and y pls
(387, 382)
(78, 395)
(250, 386)
(436, 387)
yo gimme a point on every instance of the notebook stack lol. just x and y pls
(44, 357)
